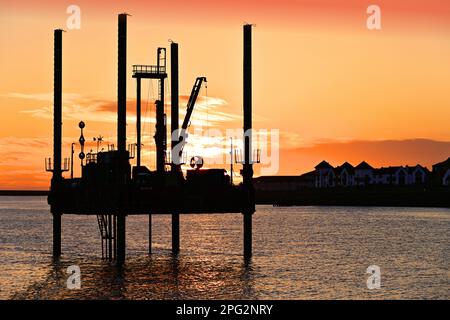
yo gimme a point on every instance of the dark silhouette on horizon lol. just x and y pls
(361, 185)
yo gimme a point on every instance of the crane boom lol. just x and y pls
(191, 102)
(189, 109)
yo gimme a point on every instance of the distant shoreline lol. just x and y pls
(23, 193)
(438, 197)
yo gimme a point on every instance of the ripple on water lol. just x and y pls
(299, 253)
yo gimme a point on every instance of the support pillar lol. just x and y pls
(121, 221)
(174, 105)
(175, 233)
(247, 235)
(138, 122)
(57, 108)
(247, 172)
(159, 137)
(149, 234)
(122, 84)
(114, 226)
(57, 138)
(56, 235)
(121, 137)
(110, 237)
(174, 137)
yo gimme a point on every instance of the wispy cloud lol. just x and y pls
(209, 111)
(22, 162)
(48, 97)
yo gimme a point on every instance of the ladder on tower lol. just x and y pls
(107, 226)
(161, 65)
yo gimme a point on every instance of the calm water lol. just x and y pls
(299, 253)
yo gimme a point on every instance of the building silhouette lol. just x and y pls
(363, 175)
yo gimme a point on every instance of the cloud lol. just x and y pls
(208, 111)
(22, 162)
(48, 97)
(23, 151)
(75, 107)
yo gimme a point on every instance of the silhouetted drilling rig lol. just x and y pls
(111, 189)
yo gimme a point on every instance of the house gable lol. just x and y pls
(419, 174)
(364, 166)
(323, 165)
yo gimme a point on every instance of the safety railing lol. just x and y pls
(255, 158)
(146, 69)
(49, 165)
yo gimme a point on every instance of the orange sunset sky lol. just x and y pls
(334, 89)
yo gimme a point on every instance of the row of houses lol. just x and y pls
(362, 175)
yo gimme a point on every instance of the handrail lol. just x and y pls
(50, 166)
(148, 69)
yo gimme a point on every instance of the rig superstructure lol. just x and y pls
(111, 188)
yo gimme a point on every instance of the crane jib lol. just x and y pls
(190, 106)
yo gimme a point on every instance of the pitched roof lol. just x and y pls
(323, 165)
(347, 166)
(364, 166)
(418, 166)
